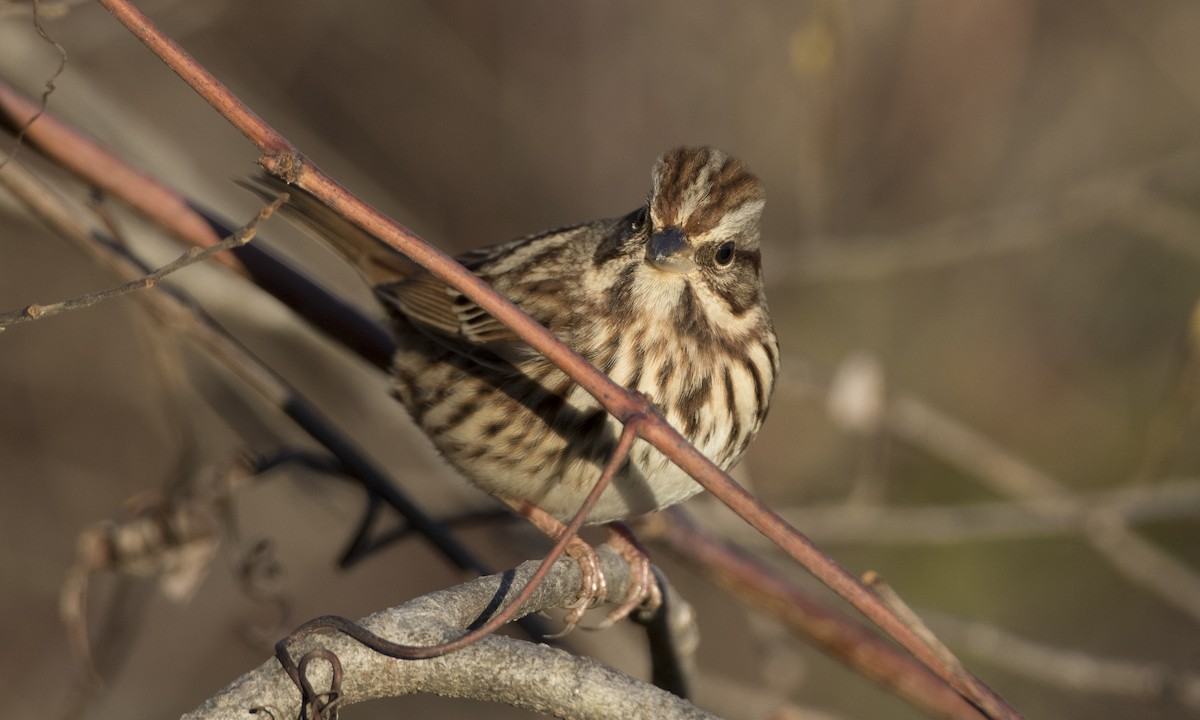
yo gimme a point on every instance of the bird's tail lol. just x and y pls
(376, 261)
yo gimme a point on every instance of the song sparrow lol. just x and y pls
(667, 300)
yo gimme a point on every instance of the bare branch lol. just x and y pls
(1136, 558)
(1071, 669)
(911, 419)
(174, 312)
(829, 630)
(1124, 198)
(193, 255)
(974, 522)
(50, 86)
(103, 170)
(46, 9)
(496, 669)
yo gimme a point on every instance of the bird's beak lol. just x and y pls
(668, 249)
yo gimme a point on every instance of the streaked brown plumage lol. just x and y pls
(667, 300)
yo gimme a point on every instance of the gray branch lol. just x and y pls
(497, 669)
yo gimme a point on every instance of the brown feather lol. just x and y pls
(374, 259)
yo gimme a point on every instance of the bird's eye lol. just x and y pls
(724, 254)
(640, 218)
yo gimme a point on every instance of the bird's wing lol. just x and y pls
(451, 318)
(374, 259)
(436, 309)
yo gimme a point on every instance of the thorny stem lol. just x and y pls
(282, 159)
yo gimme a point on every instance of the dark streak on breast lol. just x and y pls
(735, 430)
(692, 319)
(691, 403)
(665, 372)
(619, 300)
(760, 395)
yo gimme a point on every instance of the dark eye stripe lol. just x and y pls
(750, 257)
(734, 286)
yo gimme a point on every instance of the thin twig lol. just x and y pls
(1071, 669)
(1167, 431)
(835, 634)
(176, 312)
(1121, 198)
(906, 613)
(192, 256)
(105, 171)
(50, 87)
(1136, 558)
(860, 523)
(47, 10)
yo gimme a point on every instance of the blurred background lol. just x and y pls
(983, 261)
